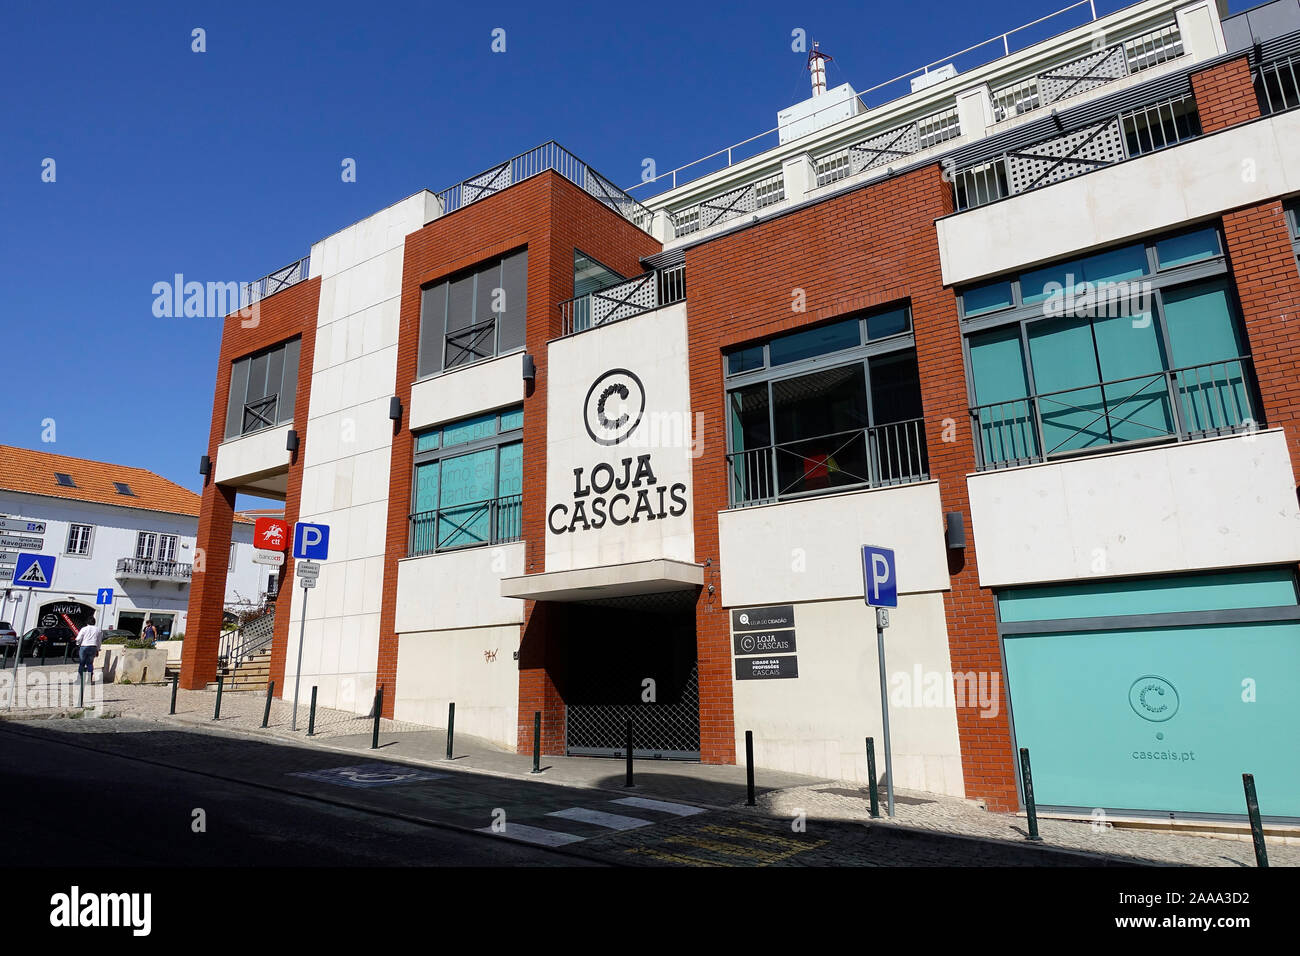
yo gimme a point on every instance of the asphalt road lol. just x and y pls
(74, 806)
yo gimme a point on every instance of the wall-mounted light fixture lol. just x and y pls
(395, 409)
(291, 441)
(205, 466)
(954, 534)
(530, 368)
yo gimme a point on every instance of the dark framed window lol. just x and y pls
(828, 408)
(79, 539)
(1293, 225)
(474, 315)
(263, 388)
(1137, 344)
(468, 486)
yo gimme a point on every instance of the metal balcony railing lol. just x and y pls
(259, 414)
(148, 569)
(892, 454)
(1198, 401)
(1277, 84)
(645, 293)
(887, 147)
(1088, 72)
(259, 289)
(551, 156)
(493, 521)
(1081, 150)
(733, 204)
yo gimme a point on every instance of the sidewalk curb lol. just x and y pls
(765, 813)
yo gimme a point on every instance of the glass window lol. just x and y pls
(1209, 351)
(987, 298)
(590, 276)
(472, 495)
(819, 424)
(1187, 248)
(745, 360)
(884, 324)
(817, 341)
(145, 545)
(1114, 265)
(78, 539)
(262, 389)
(475, 315)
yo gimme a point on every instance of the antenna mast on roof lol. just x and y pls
(817, 67)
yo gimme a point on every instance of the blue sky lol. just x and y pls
(225, 165)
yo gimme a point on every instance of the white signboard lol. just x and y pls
(262, 556)
(307, 569)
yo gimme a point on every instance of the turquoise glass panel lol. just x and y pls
(510, 487)
(986, 298)
(1070, 402)
(1116, 265)
(1257, 587)
(512, 419)
(424, 524)
(1160, 719)
(1004, 419)
(427, 441)
(470, 429)
(818, 341)
(1132, 361)
(1187, 248)
(1206, 341)
(468, 487)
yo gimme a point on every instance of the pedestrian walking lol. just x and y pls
(89, 638)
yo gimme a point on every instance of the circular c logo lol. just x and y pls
(747, 642)
(1153, 698)
(613, 406)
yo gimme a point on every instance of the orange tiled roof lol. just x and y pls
(33, 472)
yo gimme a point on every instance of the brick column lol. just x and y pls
(1225, 95)
(1268, 287)
(208, 587)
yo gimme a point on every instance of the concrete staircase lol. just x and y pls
(252, 673)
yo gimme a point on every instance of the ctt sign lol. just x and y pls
(879, 576)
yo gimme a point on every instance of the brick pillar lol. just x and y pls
(988, 764)
(208, 587)
(1225, 95)
(1268, 287)
(539, 670)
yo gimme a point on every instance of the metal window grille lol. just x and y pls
(1277, 85)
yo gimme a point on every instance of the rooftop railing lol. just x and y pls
(550, 156)
(268, 285)
(1077, 151)
(645, 293)
(733, 204)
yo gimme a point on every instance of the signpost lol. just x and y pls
(311, 543)
(22, 526)
(104, 596)
(22, 543)
(31, 571)
(880, 590)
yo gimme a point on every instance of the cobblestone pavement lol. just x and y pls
(845, 802)
(829, 808)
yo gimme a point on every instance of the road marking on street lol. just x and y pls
(367, 775)
(676, 809)
(519, 831)
(683, 859)
(612, 821)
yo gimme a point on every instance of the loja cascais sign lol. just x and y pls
(628, 491)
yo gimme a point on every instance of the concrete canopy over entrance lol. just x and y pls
(608, 581)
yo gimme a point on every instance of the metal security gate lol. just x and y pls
(625, 665)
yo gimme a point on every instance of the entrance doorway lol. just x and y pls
(133, 621)
(632, 658)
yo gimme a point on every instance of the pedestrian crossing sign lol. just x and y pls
(34, 570)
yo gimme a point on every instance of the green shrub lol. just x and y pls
(118, 640)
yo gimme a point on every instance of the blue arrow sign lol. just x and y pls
(879, 576)
(33, 570)
(104, 596)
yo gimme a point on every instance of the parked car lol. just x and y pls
(119, 634)
(8, 636)
(57, 641)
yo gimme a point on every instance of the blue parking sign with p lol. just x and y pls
(311, 541)
(879, 577)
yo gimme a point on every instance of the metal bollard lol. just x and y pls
(311, 714)
(749, 768)
(1031, 811)
(629, 782)
(1256, 827)
(872, 788)
(221, 683)
(81, 694)
(451, 725)
(537, 741)
(266, 714)
(176, 683)
(379, 708)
